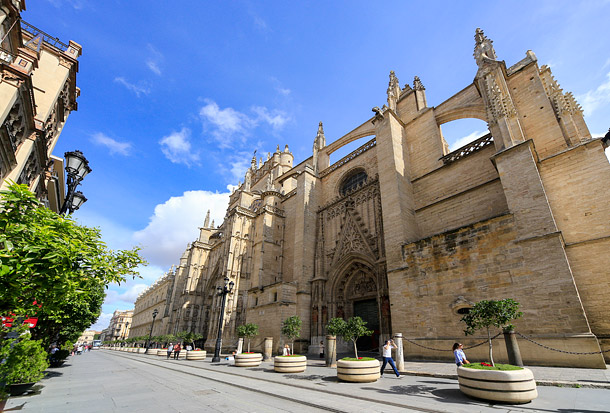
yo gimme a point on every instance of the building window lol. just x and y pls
(353, 181)
(274, 296)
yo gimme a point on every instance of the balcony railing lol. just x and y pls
(467, 149)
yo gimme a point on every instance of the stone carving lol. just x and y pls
(15, 125)
(417, 84)
(362, 285)
(393, 91)
(349, 157)
(562, 103)
(378, 114)
(500, 104)
(483, 50)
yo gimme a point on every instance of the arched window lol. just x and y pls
(353, 181)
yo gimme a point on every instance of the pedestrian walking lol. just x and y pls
(321, 349)
(387, 357)
(458, 352)
(79, 349)
(170, 348)
(177, 349)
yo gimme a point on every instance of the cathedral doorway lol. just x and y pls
(368, 311)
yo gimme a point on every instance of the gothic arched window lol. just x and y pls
(353, 181)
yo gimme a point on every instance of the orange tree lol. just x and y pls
(54, 269)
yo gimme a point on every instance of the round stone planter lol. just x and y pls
(20, 388)
(512, 386)
(248, 359)
(162, 352)
(141, 350)
(195, 355)
(361, 371)
(151, 351)
(181, 355)
(289, 364)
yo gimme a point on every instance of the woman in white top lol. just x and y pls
(286, 350)
(387, 357)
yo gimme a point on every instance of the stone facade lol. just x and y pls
(153, 298)
(408, 235)
(37, 93)
(87, 337)
(119, 326)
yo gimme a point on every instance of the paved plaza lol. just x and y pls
(108, 381)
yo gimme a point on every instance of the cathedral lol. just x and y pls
(408, 235)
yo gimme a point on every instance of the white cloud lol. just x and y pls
(175, 223)
(102, 322)
(154, 60)
(177, 147)
(76, 4)
(276, 118)
(239, 165)
(121, 148)
(139, 89)
(465, 139)
(231, 126)
(593, 99)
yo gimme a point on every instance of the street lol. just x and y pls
(104, 381)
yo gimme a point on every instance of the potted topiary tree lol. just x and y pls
(494, 381)
(195, 353)
(248, 359)
(24, 363)
(355, 369)
(291, 363)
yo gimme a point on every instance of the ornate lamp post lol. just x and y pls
(154, 314)
(222, 292)
(77, 167)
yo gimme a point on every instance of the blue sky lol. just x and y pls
(175, 96)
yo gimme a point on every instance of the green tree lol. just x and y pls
(291, 328)
(53, 268)
(491, 313)
(350, 330)
(248, 331)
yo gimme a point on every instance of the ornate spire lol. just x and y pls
(260, 162)
(277, 150)
(206, 223)
(417, 84)
(320, 141)
(483, 49)
(253, 162)
(286, 150)
(212, 223)
(393, 91)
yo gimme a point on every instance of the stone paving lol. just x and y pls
(109, 381)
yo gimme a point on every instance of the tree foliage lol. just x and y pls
(248, 331)
(291, 328)
(491, 313)
(53, 268)
(23, 360)
(350, 330)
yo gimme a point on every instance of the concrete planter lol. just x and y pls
(195, 355)
(361, 371)
(248, 359)
(181, 355)
(141, 350)
(151, 351)
(289, 364)
(162, 352)
(512, 386)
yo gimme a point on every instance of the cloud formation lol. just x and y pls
(114, 146)
(154, 60)
(178, 149)
(176, 223)
(458, 143)
(230, 127)
(139, 89)
(593, 99)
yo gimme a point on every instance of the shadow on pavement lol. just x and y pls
(50, 374)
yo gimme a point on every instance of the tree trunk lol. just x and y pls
(491, 357)
(248, 345)
(355, 349)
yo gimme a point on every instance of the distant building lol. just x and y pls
(37, 93)
(119, 326)
(87, 337)
(153, 298)
(409, 235)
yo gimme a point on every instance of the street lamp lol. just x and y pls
(154, 314)
(222, 292)
(77, 167)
